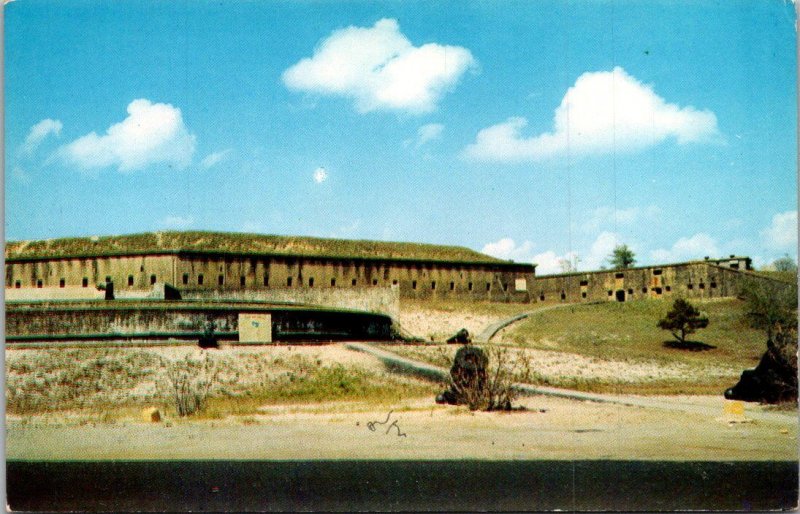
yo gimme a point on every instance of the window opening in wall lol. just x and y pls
(85, 282)
(62, 283)
(690, 286)
(656, 272)
(583, 294)
(541, 297)
(563, 295)
(668, 288)
(630, 291)
(394, 282)
(310, 281)
(374, 281)
(333, 282)
(413, 284)
(713, 285)
(221, 280)
(152, 279)
(141, 269)
(433, 285)
(658, 290)
(610, 293)
(17, 284)
(584, 282)
(469, 286)
(644, 289)
(505, 287)
(242, 281)
(39, 283)
(288, 281)
(620, 295)
(619, 275)
(185, 279)
(452, 286)
(488, 286)
(701, 285)
(354, 283)
(734, 265)
(130, 280)
(200, 279)
(266, 280)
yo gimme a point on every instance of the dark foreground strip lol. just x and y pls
(401, 485)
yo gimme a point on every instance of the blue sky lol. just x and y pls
(533, 131)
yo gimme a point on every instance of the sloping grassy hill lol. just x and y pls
(241, 243)
(617, 348)
(628, 331)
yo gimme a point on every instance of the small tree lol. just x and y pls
(785, 265)
(622, 257)
(683, 319)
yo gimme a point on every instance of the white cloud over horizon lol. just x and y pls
(549, 261)
(380, 69)
(214, 158)
(39, 132)
(781, 234)
(602, 112)
(320, 175)
(152, 133)
(691, 248)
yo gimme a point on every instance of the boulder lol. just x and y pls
(461, 337)
(774, 380)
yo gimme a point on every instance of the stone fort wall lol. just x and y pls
(233, 274)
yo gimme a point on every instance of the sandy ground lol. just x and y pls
(551, 429)
(439, 325)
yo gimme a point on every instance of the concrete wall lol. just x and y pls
(127, 272)
(688, 280)
(211, 272)
(385, 300)
(413, 279)
(181, 320)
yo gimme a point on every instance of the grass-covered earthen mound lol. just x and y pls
(617, 348)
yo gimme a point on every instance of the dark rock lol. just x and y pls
(774, 380)
(461, 337)
(467, 373)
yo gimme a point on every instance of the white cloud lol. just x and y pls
(782, 232)
(604, 111)
(320, 175)
(428, 133)
(696, 247)
(380, 69)
(178, 222)
(598, 253)
(39, 132)
(506, 248)
(151, 134)
(214, 158)
(606, 216)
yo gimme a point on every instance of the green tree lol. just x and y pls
(683, 319)
(622, 257)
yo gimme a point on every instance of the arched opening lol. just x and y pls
(620, 295)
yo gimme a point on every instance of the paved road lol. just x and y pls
(489, 332)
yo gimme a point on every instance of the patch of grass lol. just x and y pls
(64, 379)
(627, 331)
(467, 307)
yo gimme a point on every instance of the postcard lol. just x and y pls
(389, 256)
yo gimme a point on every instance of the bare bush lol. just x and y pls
(490, 384)
(189, 382)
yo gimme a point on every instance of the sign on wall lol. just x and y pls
(255, 328)
(520, 284)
